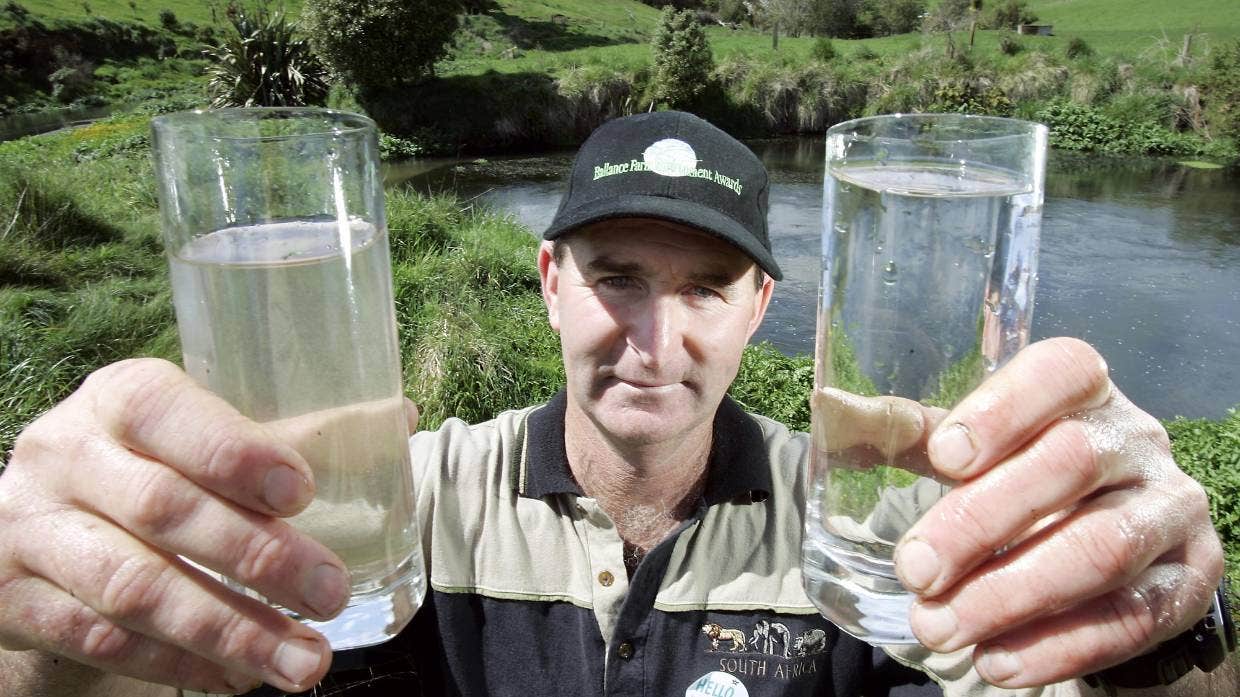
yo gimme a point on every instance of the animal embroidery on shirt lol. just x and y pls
(719, 633)
(767, 634)
(810, 642)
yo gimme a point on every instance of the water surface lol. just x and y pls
(1139, 257)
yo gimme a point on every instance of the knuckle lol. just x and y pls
(1084, 368)
(971, 526)
(107, 642)
(228, 451)
(1111, 554)
(243, 641)
(1071, 456)
(135, 588)
(263, 555)
(995, 590)
(133, 392)
(159, 503)
(1132, 613)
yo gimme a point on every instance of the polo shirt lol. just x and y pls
(528, 593)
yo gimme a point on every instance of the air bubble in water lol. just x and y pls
(889, 273)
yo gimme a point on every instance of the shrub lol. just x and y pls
(1077, 48)
(682, 58)
(1079, 127)
(16, 11)
(1009, 45)
(262, 63)
(1209, 451)
(1008, 15)
(823, 49)
(392, 148)
(971, 96)
(380, 43)
(865, 53)
(69, 83)
(168, 20)
(1222, 91)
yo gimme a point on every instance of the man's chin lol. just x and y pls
(646, 418)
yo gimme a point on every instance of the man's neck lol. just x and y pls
(646, 488)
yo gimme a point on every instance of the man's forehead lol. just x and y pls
(634, 237)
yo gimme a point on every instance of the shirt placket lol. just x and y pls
(609, 582)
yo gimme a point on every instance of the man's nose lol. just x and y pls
(656, 329)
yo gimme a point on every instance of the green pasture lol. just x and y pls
(1124, 27)
(144, 11)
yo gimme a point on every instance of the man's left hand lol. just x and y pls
(1074, 542)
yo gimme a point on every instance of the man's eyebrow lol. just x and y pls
(715, 279)
(712, 278)
(604, 264)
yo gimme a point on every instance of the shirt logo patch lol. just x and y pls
(716, 684)
(771, 650)
(670, 157)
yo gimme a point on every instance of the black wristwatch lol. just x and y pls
(1203, 646)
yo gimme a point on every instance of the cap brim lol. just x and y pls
(695, 215)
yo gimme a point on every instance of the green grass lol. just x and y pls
(1130, 27)
(145, 11)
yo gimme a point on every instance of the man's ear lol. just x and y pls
(549, 276)
(763, 301)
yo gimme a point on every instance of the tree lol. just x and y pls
(894, 16)
(792, 16)
(949, 15)
(380, 43)
(682, 58)
(838, 18)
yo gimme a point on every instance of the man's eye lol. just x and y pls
(618, 282)
(703, 292)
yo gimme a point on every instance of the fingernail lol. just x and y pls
(951, 449)
(325, 589)
(917, 565)
(935, 623)
(283, 489)
(998, 665)
(297, 659)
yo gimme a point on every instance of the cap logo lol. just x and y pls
(671, 158)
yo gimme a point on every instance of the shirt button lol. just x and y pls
(606, 579)
(625, 650)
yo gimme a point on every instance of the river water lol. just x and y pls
(1139, 257)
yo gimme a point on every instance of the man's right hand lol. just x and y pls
(139, 466)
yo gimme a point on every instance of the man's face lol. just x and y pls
(652, 317)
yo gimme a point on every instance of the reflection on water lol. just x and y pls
(1139, 257)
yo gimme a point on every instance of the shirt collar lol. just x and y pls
(739, 465)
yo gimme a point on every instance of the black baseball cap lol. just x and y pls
(671, 166)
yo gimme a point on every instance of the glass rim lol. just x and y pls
(1011, 128)
(350, 123)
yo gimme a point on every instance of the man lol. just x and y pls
(636, 535)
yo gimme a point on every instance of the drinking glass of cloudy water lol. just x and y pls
(274, 228)
(929, 257)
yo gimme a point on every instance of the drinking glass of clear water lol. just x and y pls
(929, 259)
(273, 223)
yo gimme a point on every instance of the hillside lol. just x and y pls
(1134, 26)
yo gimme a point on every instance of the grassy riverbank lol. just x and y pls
(83, 283)
(536, 74)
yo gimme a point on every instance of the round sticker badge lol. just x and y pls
(717, 684)
(670, 157)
